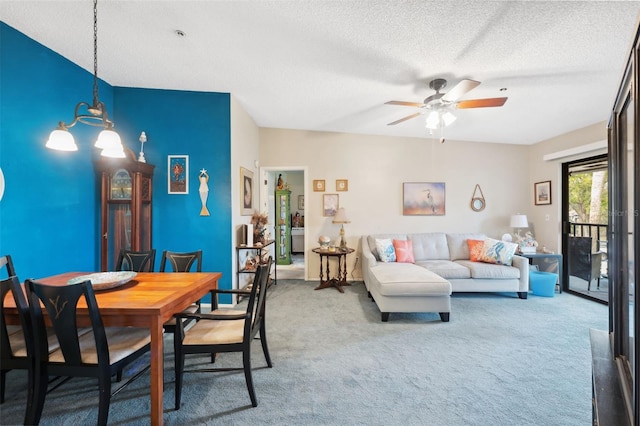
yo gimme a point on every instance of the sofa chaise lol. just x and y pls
(441, 264)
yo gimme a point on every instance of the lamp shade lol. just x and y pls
(61, 140)
(519, 221)
(108, 139)
(341, 216)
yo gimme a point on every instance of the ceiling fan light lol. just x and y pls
(108, 139)
(448, 118)
(61, 140)
(433, 120)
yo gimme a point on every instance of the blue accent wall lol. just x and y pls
(49, 216)
(196, 124)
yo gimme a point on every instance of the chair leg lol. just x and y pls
(178, 368)
(105, 397)
(3, 373)
(263, 341)
(246, 358)
(40, 385)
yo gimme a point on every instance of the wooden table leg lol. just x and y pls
(157, 369)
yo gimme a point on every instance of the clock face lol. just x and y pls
(121, 185)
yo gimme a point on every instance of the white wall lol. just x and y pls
(245, 142)
(376, 167)
(548, 233)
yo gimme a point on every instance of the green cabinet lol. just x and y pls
(283, 227)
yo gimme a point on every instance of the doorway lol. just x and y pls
(294, 179)
(585, 223)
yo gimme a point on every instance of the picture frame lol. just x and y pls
(178, 174)
(542, 193)
(246, 192)
(342, 185)
(300, 202)
(423, 199)
(330, 204)
(318, 185)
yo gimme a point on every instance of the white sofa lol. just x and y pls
(442, 266)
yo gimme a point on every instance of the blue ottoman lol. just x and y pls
(543, 283)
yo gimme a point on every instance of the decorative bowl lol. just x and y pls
(324, 241)
(105, 280)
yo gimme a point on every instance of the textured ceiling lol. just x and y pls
(331, 65)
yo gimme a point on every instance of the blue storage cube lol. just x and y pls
(543, 283)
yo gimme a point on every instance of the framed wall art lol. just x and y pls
(246, 192)
(300, 202)
(178, 174)
(342, 185)
(329, 204)
(423, 199)
(318, 185)
(542, 193)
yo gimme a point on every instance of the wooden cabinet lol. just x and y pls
(125, 207)
(283, 227)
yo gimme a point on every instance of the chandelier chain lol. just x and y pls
(95, 52)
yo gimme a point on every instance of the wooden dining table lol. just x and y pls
(149, 300)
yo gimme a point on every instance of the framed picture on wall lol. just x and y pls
(329, 204)
(423, 199)
(318, 185)
(300, 202)
(542, 193)
(178, 174)
(342, 185)
(246, 192)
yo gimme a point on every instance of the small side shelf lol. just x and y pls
(241, 269)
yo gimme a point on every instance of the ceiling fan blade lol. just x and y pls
(409, 117)
(481, 103)
(411, 104)
(459, 90)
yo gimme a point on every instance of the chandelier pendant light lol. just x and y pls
(94, 114)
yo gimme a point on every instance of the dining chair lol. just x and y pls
(16, 341)
(182, 262)
(137, 261)
(7, 264)
(100, 353)
(225, 330)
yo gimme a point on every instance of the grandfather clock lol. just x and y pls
(125, 207)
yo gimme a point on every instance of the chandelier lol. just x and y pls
(94, 114)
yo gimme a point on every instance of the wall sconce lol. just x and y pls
(94, 114)
(341, 217)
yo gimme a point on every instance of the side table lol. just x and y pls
(340, 279)
(546, 263)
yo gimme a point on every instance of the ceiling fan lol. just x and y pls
(443, 103)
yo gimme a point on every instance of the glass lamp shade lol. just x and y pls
(433, 120)
(341, 216)
(117, 152)
(448, 118)
(61, 140)
(109, 139)
(519, 221)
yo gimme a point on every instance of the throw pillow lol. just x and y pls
(385, 250)
(500, 252)
(404, 251)
(476, 250)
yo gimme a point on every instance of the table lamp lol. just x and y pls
(519, 221)
(341, 217)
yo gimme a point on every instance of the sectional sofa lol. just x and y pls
(440, 265)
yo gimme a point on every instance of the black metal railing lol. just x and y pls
(594, 230)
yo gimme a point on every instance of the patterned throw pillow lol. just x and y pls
(476, 250)
(385, 250)
(500, 252)
(404, 251)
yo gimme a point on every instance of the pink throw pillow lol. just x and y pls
(404, 251)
